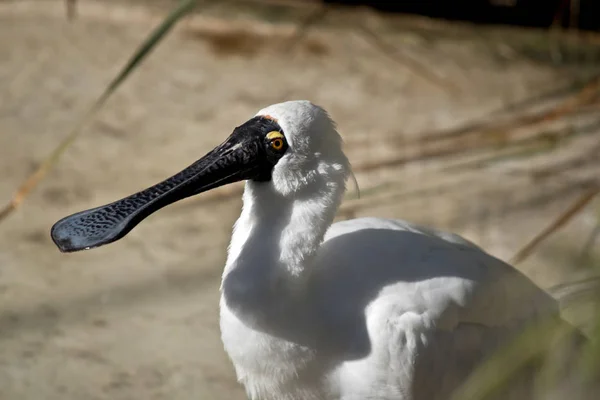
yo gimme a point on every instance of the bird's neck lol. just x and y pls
(273, 246)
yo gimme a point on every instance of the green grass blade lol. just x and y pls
(182, 9)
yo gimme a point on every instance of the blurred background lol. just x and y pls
(477, 116)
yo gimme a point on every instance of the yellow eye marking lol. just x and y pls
(274, 134)
(276, 139)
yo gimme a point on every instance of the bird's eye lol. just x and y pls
(277, 144)
(276, 140)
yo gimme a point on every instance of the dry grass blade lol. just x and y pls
(572, 104)
(413, 65)
(479, 135)
(570, 292)
(565, 217)
(584, 96)
(34, 179)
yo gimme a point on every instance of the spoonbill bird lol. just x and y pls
(361, 309)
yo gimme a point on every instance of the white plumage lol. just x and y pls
(361, 309)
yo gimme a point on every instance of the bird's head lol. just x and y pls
(288, 146)
(312, 148)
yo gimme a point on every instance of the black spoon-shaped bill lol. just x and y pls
(236, 159)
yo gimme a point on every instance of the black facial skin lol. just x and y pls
(246, 154)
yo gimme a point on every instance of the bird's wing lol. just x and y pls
(429, 304)
(431, 270)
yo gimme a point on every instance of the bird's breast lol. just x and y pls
(267, 365)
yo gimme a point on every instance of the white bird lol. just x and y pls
(362, 309)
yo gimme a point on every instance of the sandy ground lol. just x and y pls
(138, 319)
